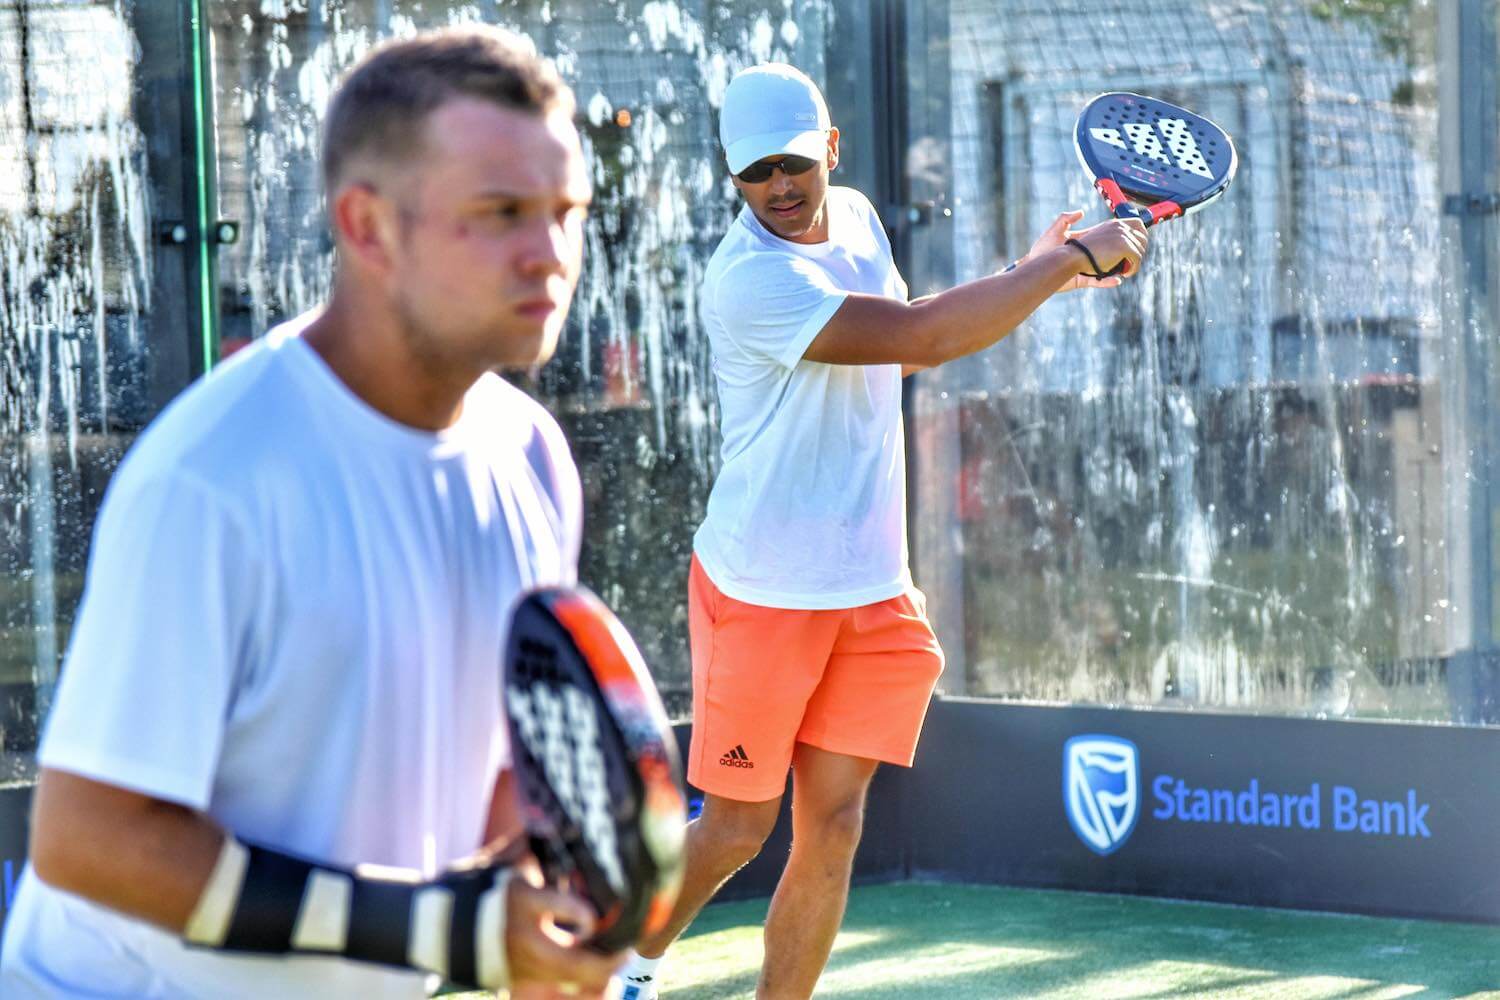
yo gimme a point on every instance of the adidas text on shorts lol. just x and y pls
(854, 681)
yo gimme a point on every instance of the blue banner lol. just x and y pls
(1365, 817)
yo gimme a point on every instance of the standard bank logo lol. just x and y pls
(1101, 789)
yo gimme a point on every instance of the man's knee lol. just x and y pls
(735, 831)
(836, 830)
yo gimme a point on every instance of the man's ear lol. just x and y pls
(833, 148)
(364, 225)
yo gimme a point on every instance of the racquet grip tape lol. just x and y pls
(209, 922)
(269, 898)
(380, 920)
(463, 942)
(491, 960)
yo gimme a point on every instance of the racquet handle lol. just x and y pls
(1124, 209)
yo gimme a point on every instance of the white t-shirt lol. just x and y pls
(809, 508)
(293, 620)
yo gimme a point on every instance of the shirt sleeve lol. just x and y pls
(775, 304)
(872, 219)
(552, 460)
(165, 619)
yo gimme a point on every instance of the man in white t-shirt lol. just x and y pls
(275, 766)
(810, 646)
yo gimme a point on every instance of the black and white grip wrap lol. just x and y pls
(260, 900)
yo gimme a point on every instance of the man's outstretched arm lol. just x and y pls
(871, 330)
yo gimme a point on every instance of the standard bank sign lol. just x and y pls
(1102, 790)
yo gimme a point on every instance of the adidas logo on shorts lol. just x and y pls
(736, 758)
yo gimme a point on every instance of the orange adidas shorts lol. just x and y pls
(854, 681)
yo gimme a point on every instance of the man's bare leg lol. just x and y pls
(828, 807)
(721, 841)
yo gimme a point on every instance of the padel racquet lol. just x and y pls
(1152, 160)
(596, 763)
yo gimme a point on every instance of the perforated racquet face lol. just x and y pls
(595, 761)
(1142, 150)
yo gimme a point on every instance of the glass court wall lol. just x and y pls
(1254, 479)
(631, 382)
(76, 294)
(160, 208)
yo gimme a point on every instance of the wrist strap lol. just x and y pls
(1098, 272)
(263, 901)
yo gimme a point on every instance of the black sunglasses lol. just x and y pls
(760, 171)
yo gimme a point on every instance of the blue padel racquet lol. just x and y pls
(596, 763)
(1152, 160)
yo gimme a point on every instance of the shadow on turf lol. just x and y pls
(1059, 943)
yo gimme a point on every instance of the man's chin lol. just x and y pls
(788, 229)
(530, 349)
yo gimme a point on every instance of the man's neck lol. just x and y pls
(369, 353)
(816, 233)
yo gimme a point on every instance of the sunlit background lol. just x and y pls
(1256, 479)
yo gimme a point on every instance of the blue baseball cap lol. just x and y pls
(770, 110)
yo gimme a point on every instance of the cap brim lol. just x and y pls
(812, 144)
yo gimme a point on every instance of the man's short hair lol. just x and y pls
(382, 103)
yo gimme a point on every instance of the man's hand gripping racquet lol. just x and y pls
(595, 761)
(1152, 160)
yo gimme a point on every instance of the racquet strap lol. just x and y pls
(1098, 272)
(260, 900)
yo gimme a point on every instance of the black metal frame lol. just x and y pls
(168, 117)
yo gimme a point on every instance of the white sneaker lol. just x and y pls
(639, 977)
(640, 987)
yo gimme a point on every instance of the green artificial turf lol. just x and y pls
(970, 942)
(965, 942)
